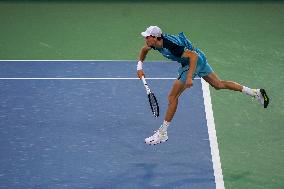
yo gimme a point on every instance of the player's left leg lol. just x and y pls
(215, 82)
(259, 94)
(161, 134)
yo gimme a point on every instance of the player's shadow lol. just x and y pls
(143, 176)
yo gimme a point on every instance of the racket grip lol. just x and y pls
(145, 85)
(143, 80)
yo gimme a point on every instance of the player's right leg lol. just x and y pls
(176, 91)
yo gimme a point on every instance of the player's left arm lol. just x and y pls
(193, 57)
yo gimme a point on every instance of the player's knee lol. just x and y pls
(219, 85)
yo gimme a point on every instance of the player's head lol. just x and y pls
(152, 34)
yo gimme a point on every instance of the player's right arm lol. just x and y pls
(143, 53)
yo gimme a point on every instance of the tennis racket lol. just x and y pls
(152, 99)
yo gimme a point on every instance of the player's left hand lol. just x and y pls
(189, 82)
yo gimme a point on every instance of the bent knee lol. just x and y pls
(218, 85)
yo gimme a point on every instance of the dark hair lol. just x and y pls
(158, 38)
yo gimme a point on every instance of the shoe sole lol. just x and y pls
(265, 97)
(157, 143)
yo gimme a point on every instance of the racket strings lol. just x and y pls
(154, 104)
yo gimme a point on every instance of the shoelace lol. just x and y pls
(256, 96)
(158, 132)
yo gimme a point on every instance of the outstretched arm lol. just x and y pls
(143, 53)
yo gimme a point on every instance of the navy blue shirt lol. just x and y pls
(175, 49)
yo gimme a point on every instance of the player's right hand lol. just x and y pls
(140, 73)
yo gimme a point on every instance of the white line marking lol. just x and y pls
(67, 61)
(163, 61)
(78, 78)
(91, 78)
(212, 136)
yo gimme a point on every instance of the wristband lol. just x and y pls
(139, 65)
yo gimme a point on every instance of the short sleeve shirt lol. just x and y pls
(175, 49)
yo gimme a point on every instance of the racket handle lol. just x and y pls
(143, 80)
(145, 85)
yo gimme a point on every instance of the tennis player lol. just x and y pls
(193, 63)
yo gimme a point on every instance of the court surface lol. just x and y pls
(82, 124)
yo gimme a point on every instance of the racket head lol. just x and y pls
(154, 104)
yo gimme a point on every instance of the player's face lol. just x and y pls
(150, 40)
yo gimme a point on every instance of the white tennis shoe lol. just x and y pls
(158, 137)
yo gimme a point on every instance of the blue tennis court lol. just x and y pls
(82, 124)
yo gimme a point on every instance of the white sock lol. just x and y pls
(249, 91)
(164, 126)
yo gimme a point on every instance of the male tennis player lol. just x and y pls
(193, 63)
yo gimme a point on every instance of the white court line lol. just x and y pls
(212, 137)
(79, 78)
(150, 61)
(70, 61)
(91, 78)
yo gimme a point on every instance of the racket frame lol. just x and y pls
(149, 93)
